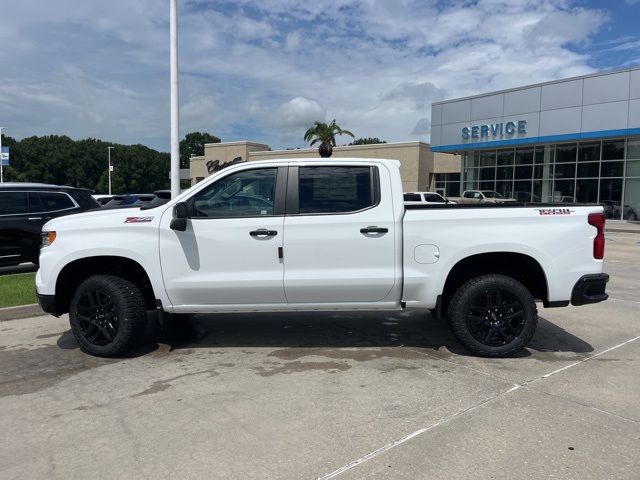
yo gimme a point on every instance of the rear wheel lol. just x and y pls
(493, 315)
(107, 315)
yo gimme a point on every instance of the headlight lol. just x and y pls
(47, 239)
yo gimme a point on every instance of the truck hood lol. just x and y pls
(104, 218)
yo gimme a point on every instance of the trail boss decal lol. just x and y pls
(138, 219)
(555, 211)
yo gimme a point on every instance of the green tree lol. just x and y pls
(367, 141)
(193, 144)
(326, 135)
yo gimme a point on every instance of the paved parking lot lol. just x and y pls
(331, 396)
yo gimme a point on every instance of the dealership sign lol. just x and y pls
(5, 156)
(495, 130)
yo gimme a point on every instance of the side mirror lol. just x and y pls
(180, 215)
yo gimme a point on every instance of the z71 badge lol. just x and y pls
(138, 219)
(555, 211)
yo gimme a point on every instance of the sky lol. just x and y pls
(265, 70)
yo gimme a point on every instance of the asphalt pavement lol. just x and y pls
(344, 395)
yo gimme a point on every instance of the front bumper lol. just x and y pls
(590, 289)
(48, 304)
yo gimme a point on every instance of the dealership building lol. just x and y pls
(573, 140)
(419, 165)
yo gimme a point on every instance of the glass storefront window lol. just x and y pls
(563, 191)
(589, 152)
(487, 173)
(565, 170)
(504, 189)
(524, 171)
(453, 189)
(633, 168)
(522, 191)
(590, 169)
(470, 185)
(544, 154)
(610, 196)
(543, 171)
(524, 156)
(612, 149)
(505, 157)
(612, 169)
(631, 210)
(566, 152)
(471, 174)
(487, 158)
(542, 190)
(487, 186)
(587, 190)
(504, 173)
(633, 149)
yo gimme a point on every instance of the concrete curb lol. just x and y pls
(22, 311)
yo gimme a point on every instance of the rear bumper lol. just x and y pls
(590, 289)
(48, 304)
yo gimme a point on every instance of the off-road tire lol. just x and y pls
(467, 326)
(126, 309)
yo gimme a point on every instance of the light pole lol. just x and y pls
(175, 145)
(1, 164)
(109, 150)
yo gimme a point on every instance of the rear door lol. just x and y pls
(14, 208)
(339, 244)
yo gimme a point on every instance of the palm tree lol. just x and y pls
(326, 135)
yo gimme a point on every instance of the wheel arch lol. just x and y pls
(519, 266)
(77, 271)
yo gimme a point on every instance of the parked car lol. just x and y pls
(25, 208)
(161, 197)
(130, 200)
(328, 234)
(419, 198)
(102, 199)
(482, 196)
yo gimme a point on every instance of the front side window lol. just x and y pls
(250, 193)
(49, 202)
(335, 189)
(13, 203)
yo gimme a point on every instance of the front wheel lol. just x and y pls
(107, 315)
(493, 315)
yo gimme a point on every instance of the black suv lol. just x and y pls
(25, 208)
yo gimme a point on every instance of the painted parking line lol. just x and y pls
(448, 418)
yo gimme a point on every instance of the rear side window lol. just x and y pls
(432, 197)
(13, 203)
(49, 202)
(335, 189)
(412, 197)
(469, 194)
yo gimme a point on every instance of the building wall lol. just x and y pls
(592, 106)
(417, 162)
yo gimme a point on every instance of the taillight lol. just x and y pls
(597, 220)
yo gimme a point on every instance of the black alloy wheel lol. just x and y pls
(107, 315)
(493, 315)
(97, 317)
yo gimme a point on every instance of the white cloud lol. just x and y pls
(264, 70)
(299, 113)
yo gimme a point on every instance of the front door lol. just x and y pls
(230, 251)
(340, 244)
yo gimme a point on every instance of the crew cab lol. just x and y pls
(322, 235)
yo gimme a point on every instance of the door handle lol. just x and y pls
(263, 232)
(366, 230)
(33, 219)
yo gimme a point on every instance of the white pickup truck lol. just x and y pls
(282, 235)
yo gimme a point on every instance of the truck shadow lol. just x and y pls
(416, 330)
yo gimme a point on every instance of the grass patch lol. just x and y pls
(18, 289)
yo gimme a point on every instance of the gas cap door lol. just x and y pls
(426, 254)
